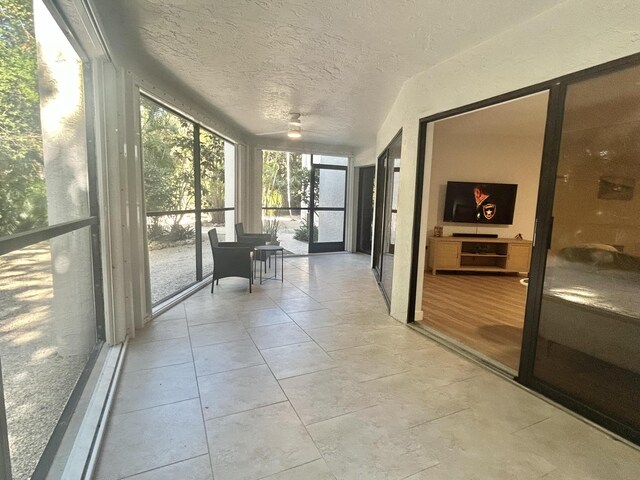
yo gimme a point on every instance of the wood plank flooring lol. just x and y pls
(483, 311)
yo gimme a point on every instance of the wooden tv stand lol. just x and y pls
(476, 254)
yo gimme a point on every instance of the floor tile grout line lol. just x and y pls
(531, 425)
(343, 415)
(125, 371)
(229, 371)
(145, 342)
(204, 422)
(438, 418)
(293, 408)
(163, 466)
(293, 468)
(309, 373)
(137, 410)
(420, 471)
(226, 415)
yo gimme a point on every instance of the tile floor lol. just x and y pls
(311, 380)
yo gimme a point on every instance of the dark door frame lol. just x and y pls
(378, 214)
(360, 208)
(380, 217)
(542, 233)
(321, 247)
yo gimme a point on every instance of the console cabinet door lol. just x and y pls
(518, 258)
(446, 255)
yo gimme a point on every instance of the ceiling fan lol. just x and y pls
(294, 129)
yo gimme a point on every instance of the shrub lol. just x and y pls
(302, 232)
(177, 232)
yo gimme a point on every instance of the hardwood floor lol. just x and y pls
(483, 311)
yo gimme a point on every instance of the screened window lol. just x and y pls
(189, 185)
(50, 293)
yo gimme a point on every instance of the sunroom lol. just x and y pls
(132, 130)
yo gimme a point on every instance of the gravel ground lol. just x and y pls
(38, 379)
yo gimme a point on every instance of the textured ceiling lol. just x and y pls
(339, 63)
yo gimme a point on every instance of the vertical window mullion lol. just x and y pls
(198, 199)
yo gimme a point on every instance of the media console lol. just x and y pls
(500, 255)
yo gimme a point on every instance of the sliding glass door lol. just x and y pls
(388, 176)
(589, 324)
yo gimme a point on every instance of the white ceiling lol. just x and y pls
(340, 63)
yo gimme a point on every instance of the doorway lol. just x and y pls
(474, 289)
(327, 207)
(304, 201)
(366, 177)
(580, 335)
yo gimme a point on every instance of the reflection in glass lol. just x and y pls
(590, 315)
(391, 190)
(48, 327)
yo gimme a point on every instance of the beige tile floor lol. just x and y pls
(310, 379)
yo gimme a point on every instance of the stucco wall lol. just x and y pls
(572, 36)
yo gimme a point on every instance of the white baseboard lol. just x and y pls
(419, 315)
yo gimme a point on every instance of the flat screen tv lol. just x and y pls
(480, 202)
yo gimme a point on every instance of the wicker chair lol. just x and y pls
(230, 259)
(254, 239)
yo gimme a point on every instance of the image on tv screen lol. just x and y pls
(477, 202)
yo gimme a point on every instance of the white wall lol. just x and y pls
(489, 159)
(572, 36)
(365, 157)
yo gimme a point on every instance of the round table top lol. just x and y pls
(272, 248)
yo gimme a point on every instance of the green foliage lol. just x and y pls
(167, 235)
(212, 166)
(278, 184)
(167, 146)
(169, 180)
(302, 232)
(22, 196)
(271, 227)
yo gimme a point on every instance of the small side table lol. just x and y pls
(264, 251)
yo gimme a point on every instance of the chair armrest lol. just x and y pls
(256, 235)
(259, 239)
(235, 245)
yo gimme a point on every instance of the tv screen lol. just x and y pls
(478, 202)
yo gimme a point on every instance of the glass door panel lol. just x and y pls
(330, 226)
(327, 213)
(589, 328)
(392, 173)
(331, 189)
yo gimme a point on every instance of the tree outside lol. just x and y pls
(22, 196)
